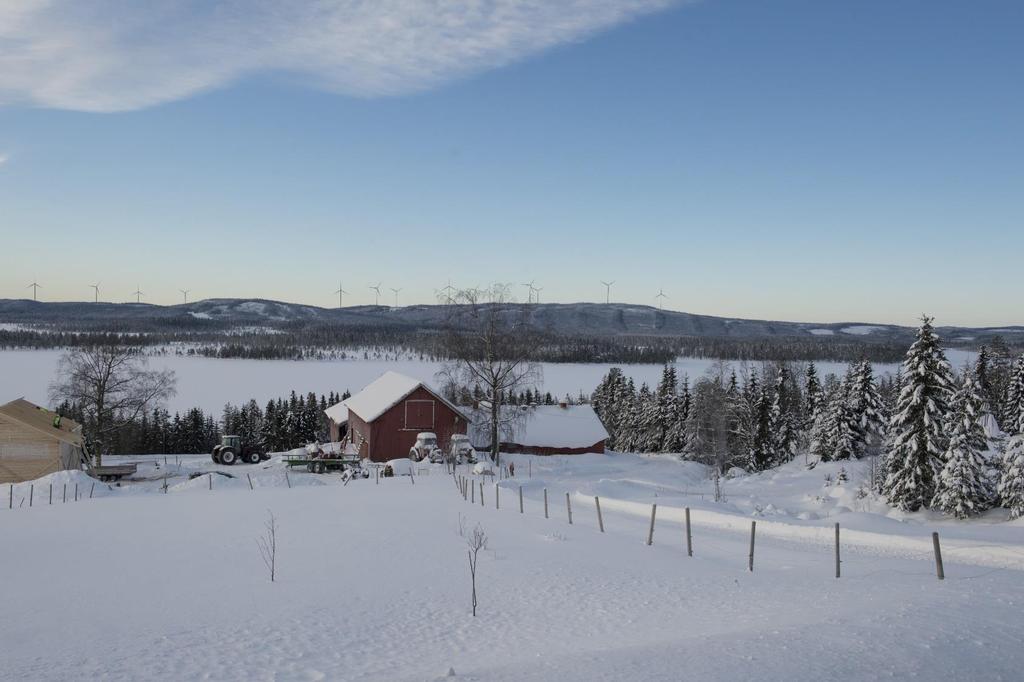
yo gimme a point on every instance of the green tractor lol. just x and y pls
(231, 450)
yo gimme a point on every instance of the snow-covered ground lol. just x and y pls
(138, 584)
(209, 383)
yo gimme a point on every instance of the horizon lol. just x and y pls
(915, 323)
(798, 161)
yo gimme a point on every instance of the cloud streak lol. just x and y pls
(111, 55)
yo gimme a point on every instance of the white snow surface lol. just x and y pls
(209, 383)
(822, 332)
(861, 329)
(372, 582)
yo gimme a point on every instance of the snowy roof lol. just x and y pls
(379, 396)
(551, 426)
(337, 413)
(44, 421)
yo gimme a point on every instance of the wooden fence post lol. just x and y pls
(412, 475)
(750, 563)
(650, 531)
(568, 507)
(520, 499)
(837, 550)
(481, 493)
(497, 496)
(600, 521)
(286, 479)
(51, 493)
(76, 492)
(938, 557)
(689, 537)
(91, 488)
(11, 497)
(472, 493)
(250, 481)
(31, 491)
(64, 498)
(209, 479)
(545, 503)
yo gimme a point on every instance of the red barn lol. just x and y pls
(384, 418)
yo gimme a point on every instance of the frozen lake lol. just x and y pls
(209, 383)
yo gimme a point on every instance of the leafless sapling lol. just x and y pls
(268, 545)
(476, 541)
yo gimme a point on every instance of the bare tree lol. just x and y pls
(476, 542)
(112, 386)
(268, 545)
(490, 343)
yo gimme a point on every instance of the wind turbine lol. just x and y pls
(341, 293)
(607, 291)
(376, 291)
(184, 292)
(396, 295)
(35, 286)
(448, 292)
(661, 298)
(96, 292)
(137, 294)
(529, 290)
(536, 299)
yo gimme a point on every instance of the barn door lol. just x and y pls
(419, 414)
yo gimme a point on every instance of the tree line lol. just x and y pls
(928, 428)
(281, 425)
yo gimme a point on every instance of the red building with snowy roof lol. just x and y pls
(384, 418)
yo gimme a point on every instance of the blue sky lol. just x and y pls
(804, 160)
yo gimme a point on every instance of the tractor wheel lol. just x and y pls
(254, 457)
(216, 455)
(309, 467)
(227, 456)
(321, 467)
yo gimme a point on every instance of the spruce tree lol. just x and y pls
(963, 487)
(868, 410)
(1011, 485)
(761, 445)
(1013, 407)
(918, 424)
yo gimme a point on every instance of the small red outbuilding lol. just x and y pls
(384, 418)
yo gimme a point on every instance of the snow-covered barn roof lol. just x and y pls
(550, 426)
(379, 396)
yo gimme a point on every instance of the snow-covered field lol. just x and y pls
(209, 383)
(138, 584)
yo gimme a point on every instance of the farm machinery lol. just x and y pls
(231, 450)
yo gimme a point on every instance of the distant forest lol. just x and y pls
(306, 341)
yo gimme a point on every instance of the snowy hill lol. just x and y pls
(590, 319)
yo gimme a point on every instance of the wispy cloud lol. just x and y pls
(109, 55)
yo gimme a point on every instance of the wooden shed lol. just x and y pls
(544, 430)
(384, 418)
(35, 441)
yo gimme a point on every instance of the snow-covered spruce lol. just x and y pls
(919, 437)
(1013, 405)
(963, 487)
(1011, 486)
